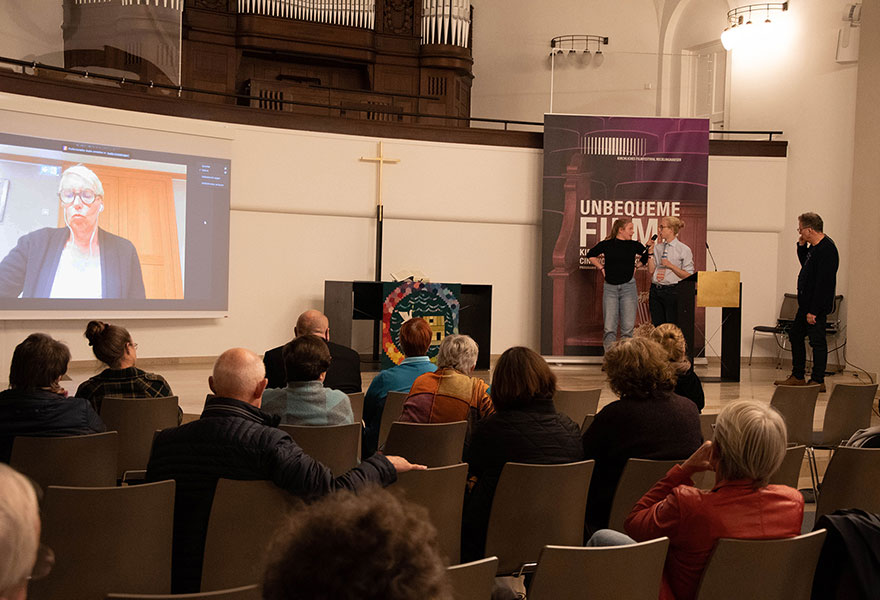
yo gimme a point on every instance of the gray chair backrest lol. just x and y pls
(797, 404)
(473, 580)
(707, 425)
(767, 569)
(136, 420)
(832, 321)
(441, 491)
(334, 446)
(537, 505)
(248, 592)
(588, 420)
(107, 539)
(357, 406)
(245, 516)
(638, 476)
(852, 480)
(788, 309)
(564, 572)
(393, 407)
(78, 460)
(577, 404)
(789, 471)
(849, 409)
(430, 444)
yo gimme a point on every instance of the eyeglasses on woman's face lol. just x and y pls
(86, 195)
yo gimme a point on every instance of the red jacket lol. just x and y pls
(695, 519)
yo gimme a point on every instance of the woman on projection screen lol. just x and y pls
(620, 297)
(80, 260)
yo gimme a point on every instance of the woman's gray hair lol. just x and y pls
(19, 528)
(750, 440)
(459, 352)
(87, 175)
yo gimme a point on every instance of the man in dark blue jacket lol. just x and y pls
(234, 439)
(815, 290)
(35, 404)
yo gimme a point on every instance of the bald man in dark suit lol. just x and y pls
(345, 364)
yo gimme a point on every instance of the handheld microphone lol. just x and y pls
(647, 251)
(710, 256)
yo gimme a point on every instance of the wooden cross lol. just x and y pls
(380, 162)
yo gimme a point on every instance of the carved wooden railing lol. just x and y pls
(372, 106)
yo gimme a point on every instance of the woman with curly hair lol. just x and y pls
(648, 421)
(369, 546)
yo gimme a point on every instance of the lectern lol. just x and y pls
(714, 289)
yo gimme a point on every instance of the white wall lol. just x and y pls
(800, 89)
(797, 87)
(303, 212)
(863, 324)
(512, 64)
(303, 208)
(282, 254)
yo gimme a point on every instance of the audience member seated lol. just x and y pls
(114, 347)
(234, 439)
(344, 373)
(19, 535)
(305, 400)
(415, 339)
(35, 403)
(451, 393)
(749, 446)
(648, 421)
(525, 428)
(687, 384)
(369, 546)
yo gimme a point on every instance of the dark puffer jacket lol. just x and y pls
(536, 434)
(235, 440)
(41, 413)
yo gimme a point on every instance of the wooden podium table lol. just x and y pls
(730, 301)
(347, 301)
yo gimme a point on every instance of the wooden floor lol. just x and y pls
(189, 380)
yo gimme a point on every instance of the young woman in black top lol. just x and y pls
(620, 297)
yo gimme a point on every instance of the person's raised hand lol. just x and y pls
(701, 460)
(401, 465)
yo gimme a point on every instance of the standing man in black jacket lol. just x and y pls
(234, 439)
(815, 290)
(344, 373)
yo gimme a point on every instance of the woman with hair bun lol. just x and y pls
(114, 347)
(687, 384)
(671, 262)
